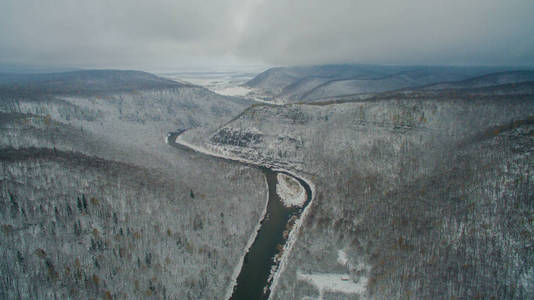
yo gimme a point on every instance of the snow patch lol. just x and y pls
(291, 192)
(342, 258)
(337, 283)
(234, 91)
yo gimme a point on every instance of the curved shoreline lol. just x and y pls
(252, 238)
(279, 266)
(292, 238)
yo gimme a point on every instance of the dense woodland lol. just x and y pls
(428, 191)
(95, 204)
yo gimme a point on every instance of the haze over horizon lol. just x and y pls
(267, 149)
(169, 35)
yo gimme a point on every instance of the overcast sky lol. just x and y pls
(179, 34)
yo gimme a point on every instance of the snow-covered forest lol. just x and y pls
(422, 188)
(428, 191)
(94, 204)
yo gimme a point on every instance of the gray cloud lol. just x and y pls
(171, 34)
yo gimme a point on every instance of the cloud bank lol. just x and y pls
(166, 34)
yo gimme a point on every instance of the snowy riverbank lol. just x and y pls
(287, 191)
(290, 191)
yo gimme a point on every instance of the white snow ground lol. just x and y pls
(224, 83)
(337, 283)
(290, 191)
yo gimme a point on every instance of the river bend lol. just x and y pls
(262, 259)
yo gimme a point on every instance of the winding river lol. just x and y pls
(262, 260)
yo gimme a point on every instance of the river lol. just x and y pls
(254, 280)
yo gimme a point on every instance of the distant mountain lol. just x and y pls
(82, 82)
(32, 69)
(70, 95)
(521, 88)
(313, 83)
(488, 80)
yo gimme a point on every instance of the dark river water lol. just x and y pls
(253, 280)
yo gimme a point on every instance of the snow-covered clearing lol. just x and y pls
(337, 283)
(227, 83)
(234, 91)
(291, 192)
(246, 92)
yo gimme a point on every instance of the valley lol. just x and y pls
(266, 150)
(342, 182)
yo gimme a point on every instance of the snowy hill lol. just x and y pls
(417, 184)
(488, 80)
(419, 192)
(82, 82)
(316, 83)
(97, 205)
